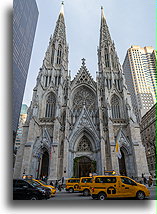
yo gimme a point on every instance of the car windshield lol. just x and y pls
(34, 183)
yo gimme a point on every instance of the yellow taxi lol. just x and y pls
(116, 186)
(84, 185)
(42, 183)
(72, 184)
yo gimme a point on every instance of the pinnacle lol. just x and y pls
(62, 8)
(102, 13)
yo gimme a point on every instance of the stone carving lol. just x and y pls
(84, 122)
(84, 97)
(84, 145)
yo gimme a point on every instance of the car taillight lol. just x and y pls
(92, 189)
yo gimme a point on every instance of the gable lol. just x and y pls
(83, 77)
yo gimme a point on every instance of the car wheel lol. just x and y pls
(102, 196)
(71, 190)
(140, 195)
(33, 197)
(86, 192)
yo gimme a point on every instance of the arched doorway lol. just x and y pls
(122, 166)
(83, 166)
(44, 164)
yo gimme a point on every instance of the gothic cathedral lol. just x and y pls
(72, 124)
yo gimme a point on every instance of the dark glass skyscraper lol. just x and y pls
(25, 16)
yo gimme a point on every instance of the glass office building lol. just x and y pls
(25, 16)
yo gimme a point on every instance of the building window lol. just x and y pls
(59, 54)
(50, 106)
(53, 54)
(84, 145)
(61, 149)
(115, 106)
(107, 64)
(46, 81)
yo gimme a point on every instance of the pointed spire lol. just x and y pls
(60, 25)
(104, 31)
(62, 8)
(102, 13)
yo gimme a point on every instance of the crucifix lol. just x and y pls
(83, 61)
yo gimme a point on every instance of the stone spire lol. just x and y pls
(62, 9)
(107, 56)
(104, 31)
(60, 25)
(56, 56)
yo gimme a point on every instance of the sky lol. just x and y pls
(130, 22)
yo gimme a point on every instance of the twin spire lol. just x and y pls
(104, 27)
(102, 11)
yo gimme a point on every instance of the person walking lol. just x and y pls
(56, 184)
(51, 183)
(150, 181)
(144, 180)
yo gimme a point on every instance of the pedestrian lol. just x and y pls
(62, 180)
(56, 184)
(145, 180)
(59, 187)
(150, 181)
(46, 179)
(51, 183)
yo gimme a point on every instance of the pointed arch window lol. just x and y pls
(61, 149)
(50, 106)
(46, 80)
(59, 54)
(115, 106)
(112, 59)
(53, 54)
(107, 64)
(84, 145)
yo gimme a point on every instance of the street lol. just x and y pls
(63, 195)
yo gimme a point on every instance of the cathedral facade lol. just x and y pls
(73, 124)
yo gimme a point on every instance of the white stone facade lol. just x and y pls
(72, 124)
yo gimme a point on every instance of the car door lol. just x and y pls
(127, 188)
(21, 189)
(15, 190)
(111, 186)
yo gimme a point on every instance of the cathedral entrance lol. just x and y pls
(44, 165)
(83, 166)
(122, 166)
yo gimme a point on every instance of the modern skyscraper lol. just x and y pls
(139, 69)
(25, 16)
(73, 125)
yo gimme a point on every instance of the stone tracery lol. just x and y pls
(84, 97)
(84, 145)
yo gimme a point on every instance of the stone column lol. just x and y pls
(139, 150)
(115, 163)
(102, 143)
(54, 163)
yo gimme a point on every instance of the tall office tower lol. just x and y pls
(139, 69)
(25, 16)
(73, 124)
